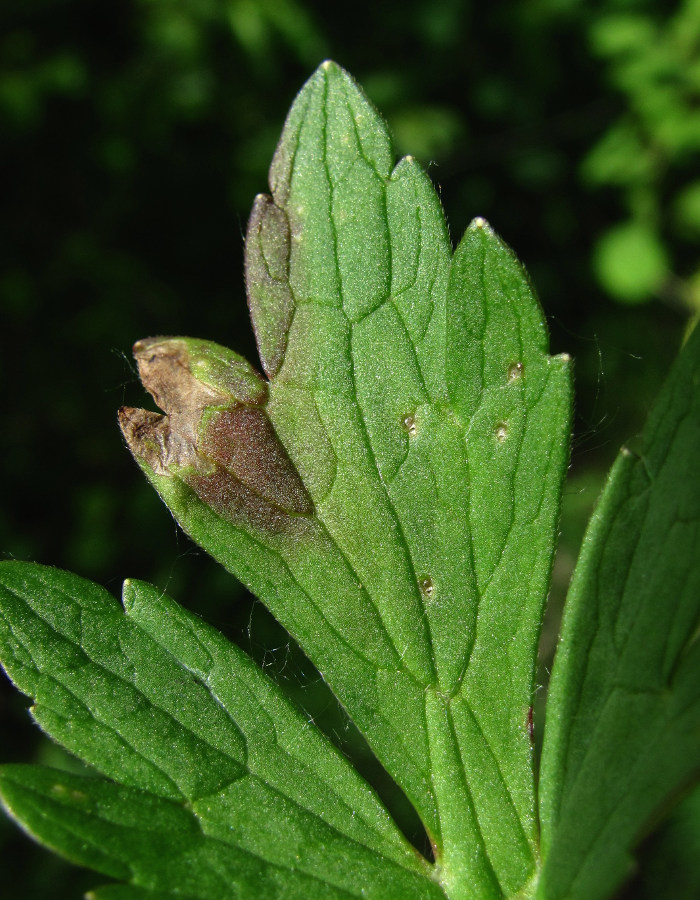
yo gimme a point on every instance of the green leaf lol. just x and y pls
(126, 834)
(392, 494)
(129, 892)
(223, 788)
(686, 208)
(623, 717)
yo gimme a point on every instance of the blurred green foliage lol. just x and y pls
(650, 152)
(135, 134)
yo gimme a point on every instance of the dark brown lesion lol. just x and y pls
(242, 440)
(226, 450)
(237, 503)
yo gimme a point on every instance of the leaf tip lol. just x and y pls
(562, 362)
(480, 224)
(329, 68)
(128, 594)
(146, 435)
(406, 165)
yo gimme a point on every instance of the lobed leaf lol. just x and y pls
(221, 787)
(405, 532)
(623, 716)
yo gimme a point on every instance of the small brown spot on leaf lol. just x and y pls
(515, 371)
(427, 588)
(501, 432)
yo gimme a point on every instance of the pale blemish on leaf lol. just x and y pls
(501, 432)
(409, 425)
(515, 371)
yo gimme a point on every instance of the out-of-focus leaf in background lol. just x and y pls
(650, 152)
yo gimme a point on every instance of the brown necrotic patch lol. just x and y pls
(164, 441)
(243, 441)
(147, 435)
(225, 450)
(235, 502)
(164, 369)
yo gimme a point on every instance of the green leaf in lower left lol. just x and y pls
(211, 783)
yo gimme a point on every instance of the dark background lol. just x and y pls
(135, 135)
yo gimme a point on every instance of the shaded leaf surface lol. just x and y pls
(224, 788)
(623, 718)
(413, 394)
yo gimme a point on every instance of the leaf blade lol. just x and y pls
(319, 817)
(623, 722)
(396, 374)
(510, 402)
(152, 842)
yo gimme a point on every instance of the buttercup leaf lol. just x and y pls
(399, 511)
(389, 486)
(623, 716)
(219, 787)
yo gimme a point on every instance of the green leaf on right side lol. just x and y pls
(623, 715)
